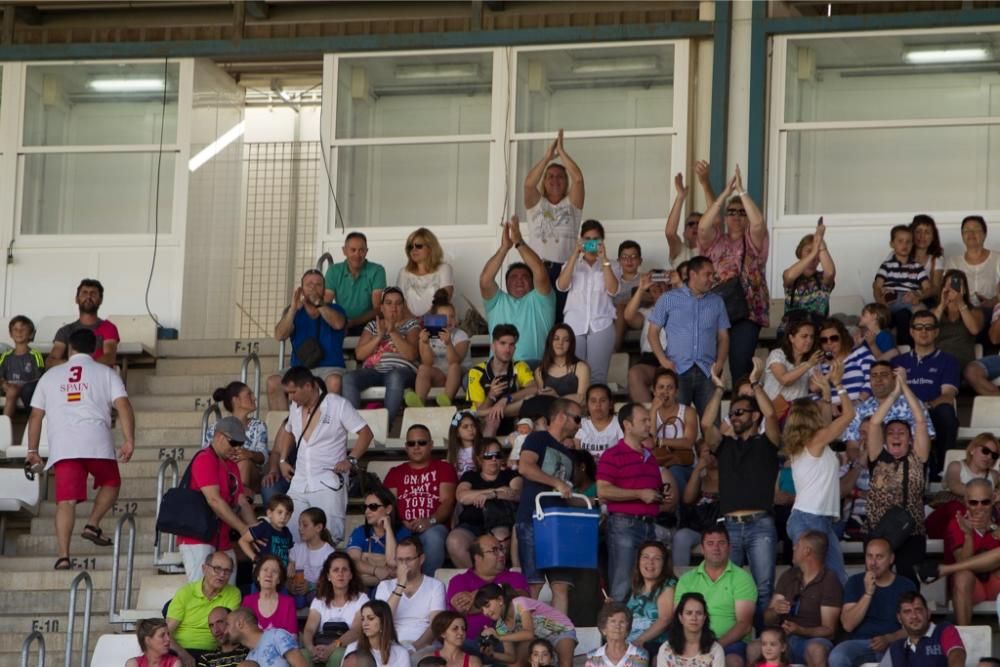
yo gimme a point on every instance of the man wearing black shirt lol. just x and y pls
(748, 469)
(228, 653)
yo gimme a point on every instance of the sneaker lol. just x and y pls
(411, 399)
(443, 400)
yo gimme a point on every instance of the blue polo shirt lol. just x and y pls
(692, 324)
(925, 376)
(332, 340)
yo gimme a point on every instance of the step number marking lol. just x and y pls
(83, 563)
(247, 346)
(171, 453)
(45, 625)
(124, 508)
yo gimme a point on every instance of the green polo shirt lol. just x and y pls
(355, 294)
(191, 608)
(720, 595)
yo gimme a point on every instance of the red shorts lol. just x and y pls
(71, 477)
(986, 591)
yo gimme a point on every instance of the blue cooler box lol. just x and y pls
(565, 536)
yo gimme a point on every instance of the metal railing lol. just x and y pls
(251, 358)
(325, 257)
(213, 408)
(88, 605)
(114, 611)
(158, 551)
(26, 648)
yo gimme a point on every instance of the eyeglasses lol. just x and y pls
(739, 412)
(221, 571)
(630, 257)
(835, 338)
(373, 507)
(494, 550)
(736, 212)
(417, 443)
(489, 456)
(990, 453)
(415, 246)
(923, 327)
(972, 502)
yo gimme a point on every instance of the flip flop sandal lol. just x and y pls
(63, 564)
(94, 534)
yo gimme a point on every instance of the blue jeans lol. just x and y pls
(681, 475)
(743, 337)
(800, 522)
(625, 533)
(434, 539)
(853, 652)
(755, 541)
(695, 388)
(267, 492)
(395, 382)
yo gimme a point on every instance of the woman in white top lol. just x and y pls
(378, 635)
(786, 371)
(591, 285)
(690, 640)
(553, 198)
(599, 429)
(641, 375)
(980, 265)
(675, 428)
(425, 272)
(339, 599)
(816, 468)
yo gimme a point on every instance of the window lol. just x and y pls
(92, 136)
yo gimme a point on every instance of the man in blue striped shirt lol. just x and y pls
(697, 333)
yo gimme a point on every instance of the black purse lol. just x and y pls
(310, 353)
(897, 524)
(184, 511)
(293, 456)
(733, 294)
(331, 632)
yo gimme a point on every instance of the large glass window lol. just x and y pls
(92, 135)
(446, 138)
(890, 122)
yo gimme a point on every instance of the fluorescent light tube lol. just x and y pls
(940, 55)
(216, 147)
(615, 65)
(441, 71)
(126, 85)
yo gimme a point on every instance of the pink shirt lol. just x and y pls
(626, 468)
(418, 491)
(282, 618)
(726, 255)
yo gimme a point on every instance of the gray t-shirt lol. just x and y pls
(21, 368)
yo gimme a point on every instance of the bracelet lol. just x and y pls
(842, 392)
(605, 264)
(397, 594)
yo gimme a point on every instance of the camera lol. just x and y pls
(591, 245)
(659, 276)
(489, 643)
(434, 324)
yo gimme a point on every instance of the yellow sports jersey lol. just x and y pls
(481, 376)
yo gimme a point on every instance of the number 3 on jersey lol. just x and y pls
(75, 373)
(73, 389)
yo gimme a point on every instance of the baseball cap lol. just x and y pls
(231, 428)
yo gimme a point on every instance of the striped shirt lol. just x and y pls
(386, 357)
(626, 468)
(856, 367)
(900, 276)
(692, 324)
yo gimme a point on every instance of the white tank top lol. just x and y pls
(817, 483)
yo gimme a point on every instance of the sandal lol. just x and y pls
(94, 534)
(63, 564)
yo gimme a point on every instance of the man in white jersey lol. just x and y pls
(77, 397)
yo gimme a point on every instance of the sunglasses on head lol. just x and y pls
(417, 443)
(373, 507)
(835, 338)
(972, 502)
(415, 246)
(989, 452)
(739, 412)
(489, 456)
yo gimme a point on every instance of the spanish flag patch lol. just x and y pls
(73, 398)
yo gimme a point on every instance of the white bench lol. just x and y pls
(155, 590)
(17, 494)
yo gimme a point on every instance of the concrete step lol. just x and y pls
(168, 419)
(183, 384)
(46, 546)
(138, 507)
(53, 602)
(144, 525)
(161, 436)
(219, 347)
(211, 366)
(55, 642)
(132, 489)
(53, 580)
(92, 563)
(54, 624)
(171, 402)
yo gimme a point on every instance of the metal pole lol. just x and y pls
(281, 355)
(214, 407)
(244, 372)
(26, 647)
(171, 463)
(325, 257)
(88, 604)
(113, 613)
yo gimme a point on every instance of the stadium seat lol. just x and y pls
(155, 590)
(6, 436)
(378, 421)
(114, 650)
(985, 417)
(17, 493)
(137, 334)
(20, 451)
(380, 468)
(438, 420)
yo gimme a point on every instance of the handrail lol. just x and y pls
(26, 648)
(114, 612)
(161, 474)
(281, 354)
(88, 604)
(251, 358)
(325, 257)
(214, 407)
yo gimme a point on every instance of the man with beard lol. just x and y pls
(748, 468)
(89, 297)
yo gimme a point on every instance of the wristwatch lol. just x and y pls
(519, 244)
(353, 461)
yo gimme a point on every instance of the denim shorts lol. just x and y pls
(797, 647)
(526, 550)
(991, 364)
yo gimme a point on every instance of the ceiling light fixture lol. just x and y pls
(615, 65)
(438, 71)
(934, 55)
(126, 85)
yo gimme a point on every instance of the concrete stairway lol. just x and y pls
(169, 401)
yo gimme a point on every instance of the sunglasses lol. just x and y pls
(417, 443)
(990, 453)
(576, 418)
(972, 502)
(415, 246)
(739, 412)
(736, 212)
(835, 338)
(692, 223)
(372, 507)
(923, 327)
(489, 456)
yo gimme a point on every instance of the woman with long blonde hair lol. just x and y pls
(816, 468)
(425, 272)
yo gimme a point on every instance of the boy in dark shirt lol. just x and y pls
(21, 367)
(271, 535)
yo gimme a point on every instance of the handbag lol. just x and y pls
(733, 293)
(330, 632)
(310, 353)
(184, 511)
(897, 524)
(666, 456)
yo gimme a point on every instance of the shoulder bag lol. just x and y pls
(897, 524)
(310, 353)
(184, 511)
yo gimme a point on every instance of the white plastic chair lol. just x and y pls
(114, 650)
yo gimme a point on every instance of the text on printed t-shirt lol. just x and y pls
(420, 495)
